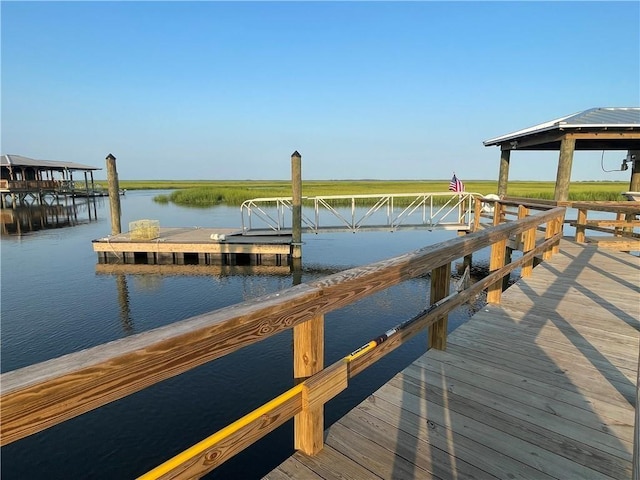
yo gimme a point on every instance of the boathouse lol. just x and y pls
(593, 129)
(27, 181)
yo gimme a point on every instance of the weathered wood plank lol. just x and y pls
(565, 376)
(530, 458)
(617, 411)
(293, 469)
(331, 463)
(605, 365)
(375, 457)
(545, 412)
(409, 443)
(573, 449)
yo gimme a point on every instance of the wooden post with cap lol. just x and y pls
(114, 194)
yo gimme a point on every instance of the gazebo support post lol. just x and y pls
(634, 184)
(565, 160)
(503, 175)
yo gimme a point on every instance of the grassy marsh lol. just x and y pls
(234, 192)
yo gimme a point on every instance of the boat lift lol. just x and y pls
(358, 213)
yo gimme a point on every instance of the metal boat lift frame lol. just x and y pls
(418, 211)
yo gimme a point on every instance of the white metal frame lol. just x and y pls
(272, 213)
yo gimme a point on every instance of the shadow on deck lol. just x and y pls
(541, 386)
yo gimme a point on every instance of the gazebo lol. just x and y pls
(593, 129)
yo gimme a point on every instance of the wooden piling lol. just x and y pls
(296, 191)
(114, 194)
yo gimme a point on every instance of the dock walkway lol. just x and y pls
(541, 386)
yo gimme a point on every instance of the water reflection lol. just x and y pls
(26, 218)
(191, 270)
(124, 302)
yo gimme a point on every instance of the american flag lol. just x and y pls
(456, 184)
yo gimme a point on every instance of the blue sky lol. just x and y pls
(385, 90)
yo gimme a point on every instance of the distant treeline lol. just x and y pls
(234, 192)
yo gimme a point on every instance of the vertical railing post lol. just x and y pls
(440, 280)
(308, 359)
(559, 222)
(476, 214)
(496, 261)
(580, 225)
(618, 230)
(551, 230)
(528, 243)
(523, 212)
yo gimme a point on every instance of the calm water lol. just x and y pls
(55, 302)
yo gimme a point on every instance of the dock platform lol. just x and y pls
(542, 386)
(195, 246)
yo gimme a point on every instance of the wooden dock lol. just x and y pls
(541, 386)
(195, 246)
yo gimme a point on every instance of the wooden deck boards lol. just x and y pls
(541, 386)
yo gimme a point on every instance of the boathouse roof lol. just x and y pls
(20, 161)
(607, 128)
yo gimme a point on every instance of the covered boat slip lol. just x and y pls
(541, 386)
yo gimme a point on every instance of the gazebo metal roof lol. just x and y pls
(611, 128)
(10, 161)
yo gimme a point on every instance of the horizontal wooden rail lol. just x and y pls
(622, 237)
(39, 396)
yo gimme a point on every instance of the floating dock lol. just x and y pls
(194, 246)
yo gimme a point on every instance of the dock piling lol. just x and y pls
(114, 194)
(296, 193)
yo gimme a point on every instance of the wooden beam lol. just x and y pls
(630, 135)
(615, 207)
(621, 244)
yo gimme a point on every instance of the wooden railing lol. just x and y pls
(621, 229)
(40, 396)
(30, 185)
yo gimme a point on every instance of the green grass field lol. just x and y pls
(234, 192)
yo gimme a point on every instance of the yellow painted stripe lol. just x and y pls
(208, 442)
(361, 351)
